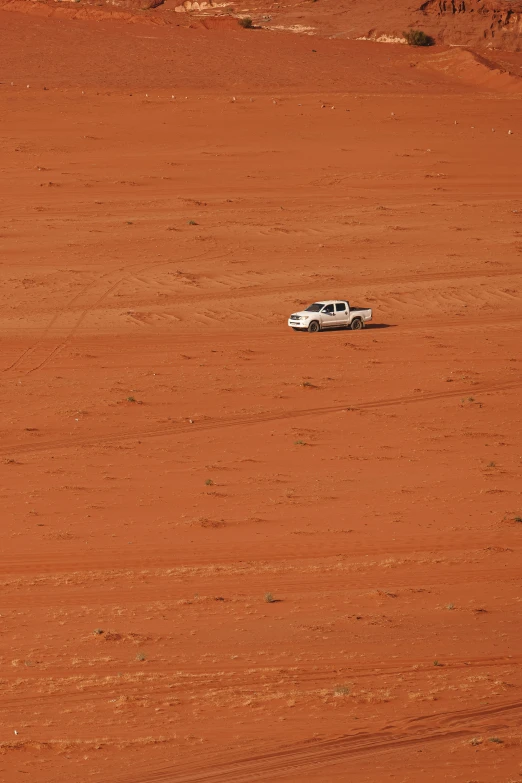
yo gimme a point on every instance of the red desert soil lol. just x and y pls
(172, 453)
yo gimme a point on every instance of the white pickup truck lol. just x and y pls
(329, 314)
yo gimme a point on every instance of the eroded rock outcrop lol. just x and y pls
(475, 22)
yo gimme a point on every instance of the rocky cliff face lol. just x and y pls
(495, 24)
(477, 23)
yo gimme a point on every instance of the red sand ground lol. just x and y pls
(171, 452)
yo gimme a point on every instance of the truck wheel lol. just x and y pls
(356, 324)
(314, 326)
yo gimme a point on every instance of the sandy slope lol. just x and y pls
(171, 452)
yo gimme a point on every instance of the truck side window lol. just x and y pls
(328, 309)
(340, 307)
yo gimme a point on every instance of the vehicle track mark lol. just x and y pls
(300, 287)
(65, 324)
(245, 420)
(308, 754)
(246, 676)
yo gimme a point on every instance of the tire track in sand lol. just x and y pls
(312, 754)
(243, 677)
(64, 324)
(260, 418)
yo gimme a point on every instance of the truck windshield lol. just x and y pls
(314, 308)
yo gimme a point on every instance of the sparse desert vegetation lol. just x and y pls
(418, 38)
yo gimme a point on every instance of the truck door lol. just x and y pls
(341, 314)
(328, 317)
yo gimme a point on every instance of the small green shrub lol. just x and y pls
(209, 483)
(246, 22)
(418, 38)
(269, 598)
